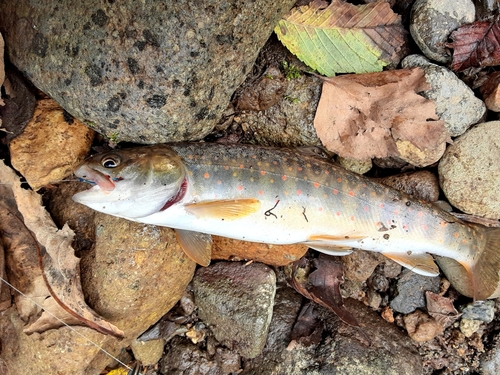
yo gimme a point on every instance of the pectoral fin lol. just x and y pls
(226, 209)
(196, 245)
(421, 263)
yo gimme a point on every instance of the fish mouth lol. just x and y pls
(94, 177)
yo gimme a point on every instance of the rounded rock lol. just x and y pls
(144, 72)
(455, 102)
(469, 173)
(432, 21)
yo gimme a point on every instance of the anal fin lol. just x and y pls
(196, 245)
(332, 245)
(227, 209)
(421, 263)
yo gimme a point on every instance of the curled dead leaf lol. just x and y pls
(362, 116)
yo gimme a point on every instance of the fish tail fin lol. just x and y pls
(480, 277)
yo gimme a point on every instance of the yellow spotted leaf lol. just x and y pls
(343, 38)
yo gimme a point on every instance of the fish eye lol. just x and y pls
(110, 162)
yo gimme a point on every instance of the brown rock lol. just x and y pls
(275, 255)
(490, 92)
(421, 184)
(421, 327)
(359, 265)
(135, 274)
(51, 145)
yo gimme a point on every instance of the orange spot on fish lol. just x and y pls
(455, 234)
(240, 187)
(242, 166)
(364, 185)
(381, 205)
(339, 179)
(351, 193)
(284, 177)
(299, 192)
(420, 213)
(290, 168)
(262, 173)
(271, 181)
(226, 167)
(206, 175)
(440, 240)
(260, 192)
(320, 209)
(275, 162)
(335, 191)
(352, 218)
(444, 223)
(396, 212)
(425, 227)
(325, 196)
(299, 168)
(316, 185)
(286, 192)
(373, 194)
(366, 208)
(219, 182)
(190, 156)
(405, 227)
(327, 172)
(337, 213)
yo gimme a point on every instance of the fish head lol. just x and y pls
(132, 183)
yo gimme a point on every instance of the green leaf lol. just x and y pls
(343, 38)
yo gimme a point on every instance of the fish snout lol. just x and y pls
(93, 176)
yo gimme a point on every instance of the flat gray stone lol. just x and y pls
(455, 102)
(144, 72)
(237, 302)
(469, 172)
(411, 289)
(432, 21)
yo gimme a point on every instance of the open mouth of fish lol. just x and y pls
(94, 177)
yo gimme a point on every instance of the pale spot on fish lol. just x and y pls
(290, 168)
(235, 174)
(271, 181)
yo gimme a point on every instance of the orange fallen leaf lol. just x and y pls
(363, 116)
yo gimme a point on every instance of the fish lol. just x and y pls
(284, 196)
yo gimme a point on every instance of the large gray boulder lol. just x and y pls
(145, 72)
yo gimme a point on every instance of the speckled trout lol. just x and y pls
(284, 196)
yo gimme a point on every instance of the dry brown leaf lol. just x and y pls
(442, 309)
(60, 267)
(361, 116)
(322, 285)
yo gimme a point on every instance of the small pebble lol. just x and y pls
(148, 352)
(482, 310)
(421, 327)
(469, 326)
(356, 166)
(411, 288)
